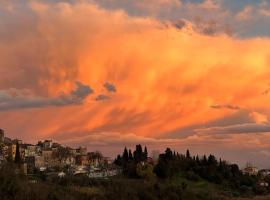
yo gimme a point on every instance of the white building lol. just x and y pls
(250, 170)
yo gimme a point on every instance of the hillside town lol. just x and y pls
(84, 174)
(52, 158)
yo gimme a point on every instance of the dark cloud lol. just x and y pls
(224, 14)
(18, 99)
(226, 106)
(209, 19)
(179, 24)
(109, 87)
(240, 117)
(102, 97)
(82, 90)
(238, 129)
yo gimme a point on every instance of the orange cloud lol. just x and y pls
(167, 79)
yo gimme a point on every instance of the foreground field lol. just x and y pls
(181, 185)
(255, 198)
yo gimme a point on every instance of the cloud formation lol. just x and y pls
(168, 71)
(109, 87)
(242, 148)
(102, 97)
(16, 99)
(237, 129)
(210, 17)
(228, 106)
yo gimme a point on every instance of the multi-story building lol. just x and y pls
(69, 161)
(30, 162)
(47, 144)
(5, 151)
(47, 155)
(250, 170)
(95, 158)
(264, 172)
(81, 150)
(1, 158)
(39, 161)
(30, 150)
(12, 150)
(72, 151)
(82, 160)
(7, 141)
(2, 136)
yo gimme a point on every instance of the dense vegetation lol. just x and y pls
(173, 177)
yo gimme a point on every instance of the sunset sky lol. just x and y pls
(112, 73)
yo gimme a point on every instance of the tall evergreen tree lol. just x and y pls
(197, 159)
(118, 160)
(125, 155)
(188, 154)
(17, 155)
(168, 153)
(145, 153)
(212, 160)
(204, 160)
(138, 153)
(220, 162)
(130, 156)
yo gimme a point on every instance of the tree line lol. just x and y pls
(191, 167)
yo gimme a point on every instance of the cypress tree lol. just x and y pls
(168, 153)
(125, 155)
(212, 160)
(130, 156)
(197, 159)
(204, 160)
(187, 154)
(17, 155)
(138, 153)
(145, 153)
(118, 160)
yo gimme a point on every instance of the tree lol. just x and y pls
(138, 154)
(145, 153)
(235, 170)
(168, 153)
(17, 155)
(212, 160)
(188, 154)
(117, 161)
(145, 171)
(162, 169)
(130, 156)
(197, 160)
(125, 155)
(204, 160)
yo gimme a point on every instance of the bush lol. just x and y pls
(192, 176)
(258, 190)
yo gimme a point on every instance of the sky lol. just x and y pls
(113, 73)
